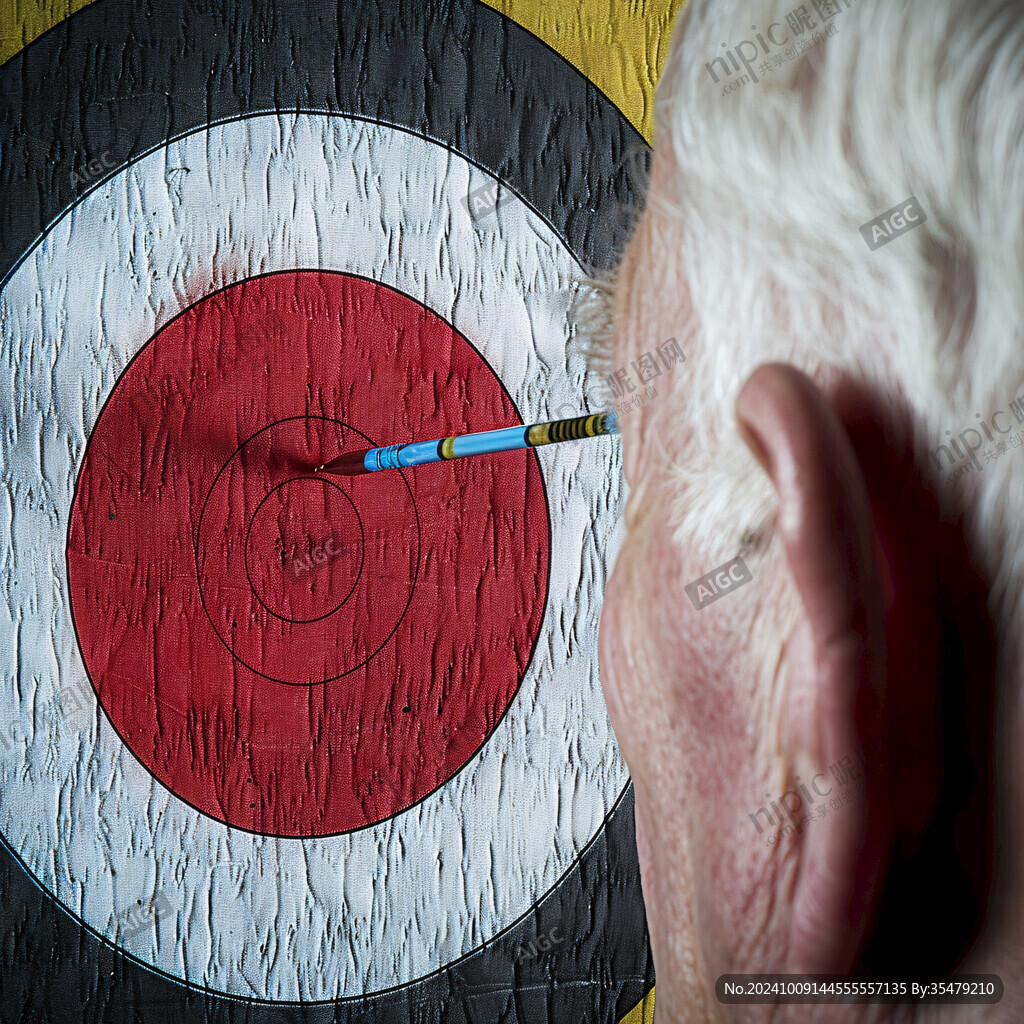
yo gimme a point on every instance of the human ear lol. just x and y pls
(834, 701)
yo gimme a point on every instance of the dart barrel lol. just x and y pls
(402, 456)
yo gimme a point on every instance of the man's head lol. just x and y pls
(819, 428)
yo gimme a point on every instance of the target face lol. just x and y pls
(344, 738)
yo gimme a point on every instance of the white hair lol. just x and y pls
(762, 222)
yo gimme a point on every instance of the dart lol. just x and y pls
(484, 442)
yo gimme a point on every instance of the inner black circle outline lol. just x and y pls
(199, 526)
(362, 547)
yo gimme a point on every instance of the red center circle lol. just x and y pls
(290, 653)
(304, 549)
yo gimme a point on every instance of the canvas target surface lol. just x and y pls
(338, 783)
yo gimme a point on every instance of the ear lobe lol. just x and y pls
(835, 667)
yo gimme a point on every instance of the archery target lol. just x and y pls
(136, 376)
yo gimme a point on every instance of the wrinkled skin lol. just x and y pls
(708, 726)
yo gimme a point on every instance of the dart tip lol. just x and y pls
(349, 464)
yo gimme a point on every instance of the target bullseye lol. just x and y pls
(336, 697)
(338, 630)
(304, 550)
